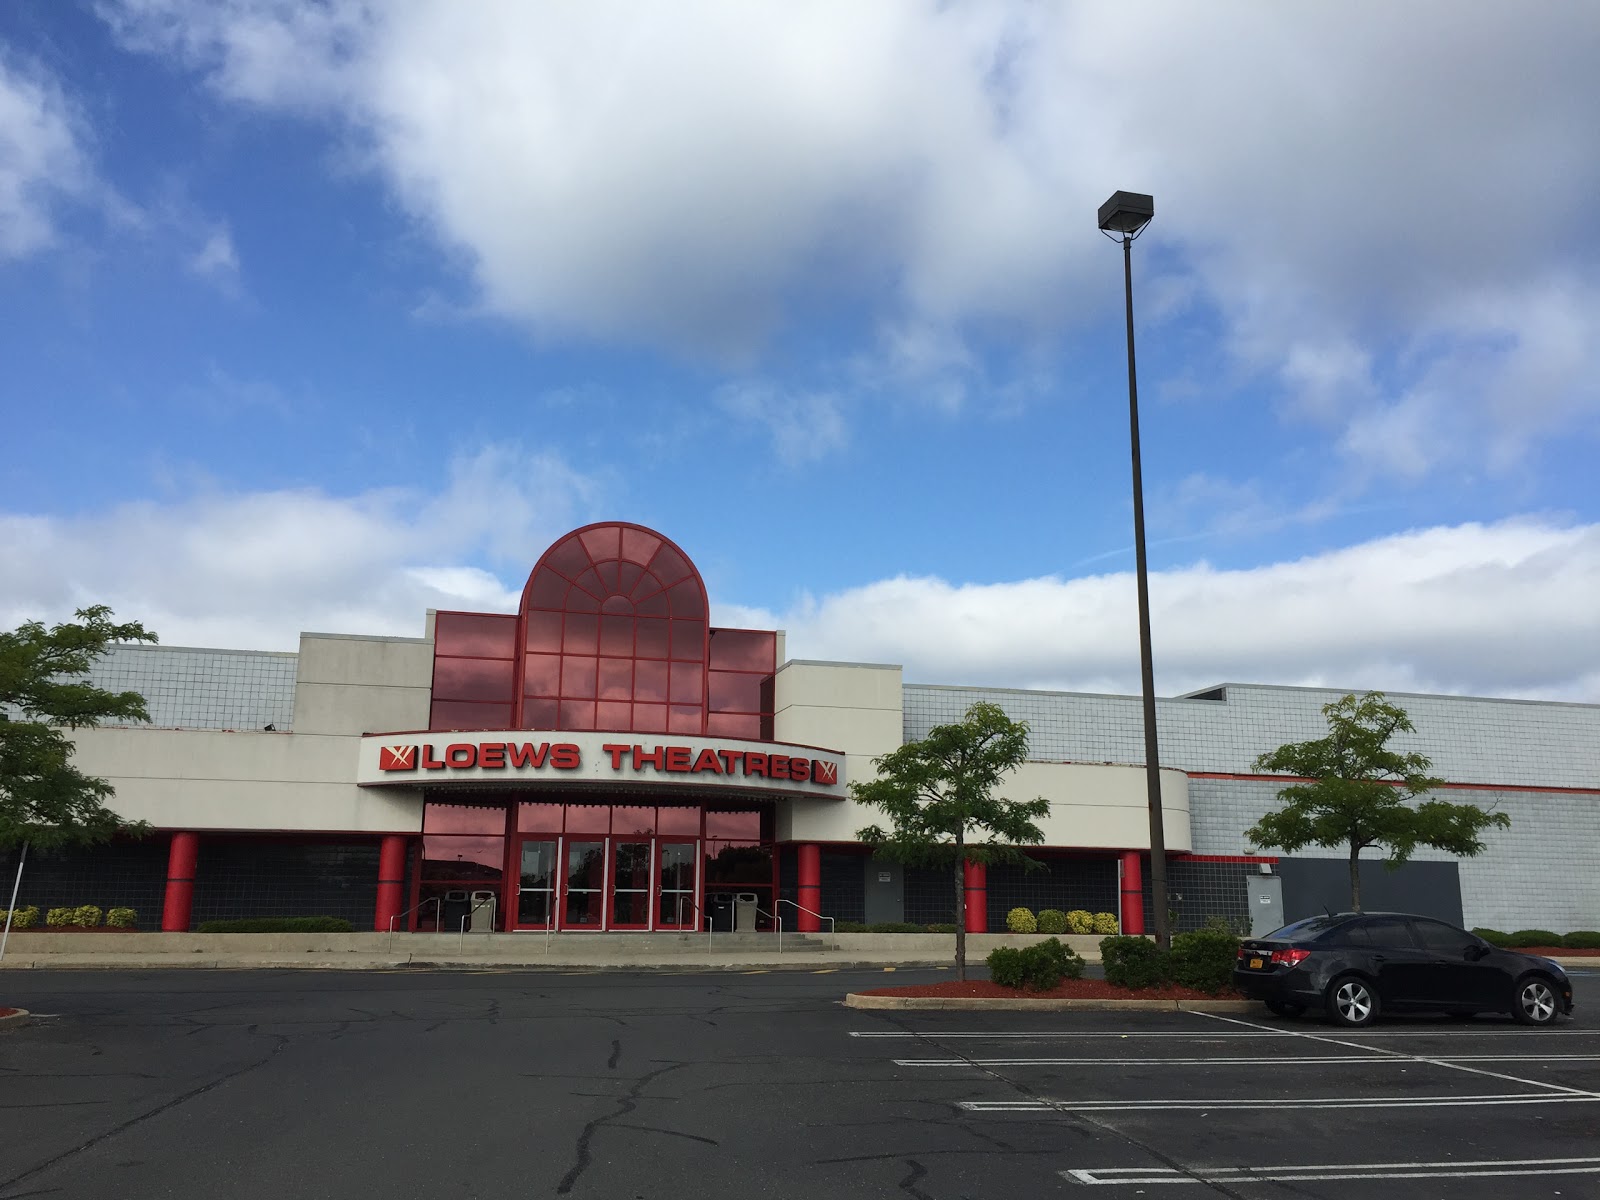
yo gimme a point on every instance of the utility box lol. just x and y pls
(1266, 903)
(483, 912)
(745, 905)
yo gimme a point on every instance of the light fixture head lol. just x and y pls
(1127, 212)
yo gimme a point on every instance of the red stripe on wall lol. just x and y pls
(1225, 858)
(1474, 787)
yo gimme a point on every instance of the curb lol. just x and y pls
(1005, 1004)
(14, 1020)
(181, 963)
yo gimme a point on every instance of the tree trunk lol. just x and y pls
(961, 910)
(1355, 878)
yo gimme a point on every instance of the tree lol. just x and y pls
(1359, 791)
(937, 793)
(44, 800)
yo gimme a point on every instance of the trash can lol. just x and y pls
(457, 904)
(719, 907)
(482, 912)
(744, 911)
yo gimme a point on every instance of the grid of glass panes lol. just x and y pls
(474, 671)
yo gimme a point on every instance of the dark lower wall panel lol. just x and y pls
(1198, 890)
(1314, 885)
(843, 884)
(1061, 882)
(266, 877)
(119, 874)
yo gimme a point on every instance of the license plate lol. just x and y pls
(1255, 964)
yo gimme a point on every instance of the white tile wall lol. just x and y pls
(203, 689)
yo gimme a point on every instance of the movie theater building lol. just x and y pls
(605, 759)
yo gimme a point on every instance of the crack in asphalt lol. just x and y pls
(625, 1105)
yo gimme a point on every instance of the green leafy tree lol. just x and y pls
(44, 800)
(1360, 793)
(938, 794)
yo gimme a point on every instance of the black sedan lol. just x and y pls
(1355, 965)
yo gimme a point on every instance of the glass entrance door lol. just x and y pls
(585, 892)
(630, 884)
(677, 866)
(536, 890)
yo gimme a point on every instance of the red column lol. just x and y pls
(179, 899)
(1132, 893)
(810, 887)
(391, 879)
(977, 882)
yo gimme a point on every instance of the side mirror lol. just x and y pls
(1475, 952)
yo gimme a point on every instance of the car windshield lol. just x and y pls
(1308, 928)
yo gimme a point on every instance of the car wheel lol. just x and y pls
(1352, 1002)
(1536, 1001)
(1283, 1008)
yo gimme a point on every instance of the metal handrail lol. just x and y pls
(804, 909)
(778, 921)
(492, 903)
(438, 915)
(699, 914)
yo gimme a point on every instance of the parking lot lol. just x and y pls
(655, 1085)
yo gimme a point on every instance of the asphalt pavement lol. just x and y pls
(283, 1084)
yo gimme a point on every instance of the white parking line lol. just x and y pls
(1277, 1102)
(1333, 1171)
(1225, 1060)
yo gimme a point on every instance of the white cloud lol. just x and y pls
(42, 160)
(804, 426)
(253, 570)
(216, 259)
(1379, 202)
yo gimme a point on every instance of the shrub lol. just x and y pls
(1038, 968)
(1080, 922)
(1105, 923)
(278, 925)
(88, 916)
(22, 918)
(1493, 936)
(1204, 959)
(942, 927)
(1134, 962)
(1582, 939)
(1021, 920)
(122, 918)
(1052, 920)
(1533, 937)
(60, 918)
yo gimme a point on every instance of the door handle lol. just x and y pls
(1379, 958)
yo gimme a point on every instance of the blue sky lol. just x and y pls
(314, 316)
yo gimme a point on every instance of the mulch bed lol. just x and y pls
(1069, 989)
(6, 1012)
(1558, 952)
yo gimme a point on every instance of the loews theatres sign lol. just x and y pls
(545, 758)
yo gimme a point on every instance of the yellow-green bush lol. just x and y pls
(1105, 924)
(1052, 920)
(121, 918)
(22, 918)
(1078, 921)
(88, 916)
(60, 918)
(1021, 920)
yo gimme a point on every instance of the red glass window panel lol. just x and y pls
(686, 718)
(744, 650)
(740, 862)
(540, 714)
(484, 680)
(463, 818)
(462, 714)
(678, 822)
(617, 606)
(638, 546)
(735, 691)
(616, 635)
(544, 632)
(577, 677)
(615, 716)
(633, 818)
(689, 640)
(742, 825)
(652, 638)
(602, 543)
(475, 635)
(581, 634)
(686, 599)
(577, 714)
(549, 590)
(588, 819)
(669, 566)
(449, 857)
(541, 675)
(650, 682)
(569, 558)
(652, 605)
(589, 581)
(539, 818)
(616, 679)
(734, 725)
(579, 600)
(628, 576)
(608, 576)
(649, 718)
(687, 682)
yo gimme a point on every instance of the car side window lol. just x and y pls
(1354, 934)
(1388, 931)
(1442, 939)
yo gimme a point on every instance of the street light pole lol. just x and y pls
(1127, 214)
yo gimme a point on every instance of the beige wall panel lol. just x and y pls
(333, 708)
(386, 662)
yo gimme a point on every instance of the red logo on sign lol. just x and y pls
(824, 772)
(397, 758)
